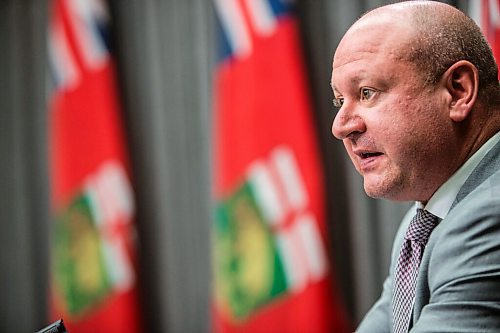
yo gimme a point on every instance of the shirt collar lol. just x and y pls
(441, 201)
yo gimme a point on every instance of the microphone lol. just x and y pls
(55, 327)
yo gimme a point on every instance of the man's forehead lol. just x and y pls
(345, 56)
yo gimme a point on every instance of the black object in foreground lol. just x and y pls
(56, 327)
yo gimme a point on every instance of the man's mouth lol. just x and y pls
(368, 160)
(369, 154)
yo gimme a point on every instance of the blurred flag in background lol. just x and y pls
(487, 15)
(93, 277)
(271, 267)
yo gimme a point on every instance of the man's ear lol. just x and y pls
(462, 82)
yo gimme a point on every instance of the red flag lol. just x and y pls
(487, 15)
(93, 275)
(270, 260)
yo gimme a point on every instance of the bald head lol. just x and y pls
(439, 35)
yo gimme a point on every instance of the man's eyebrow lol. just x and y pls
(354, 81)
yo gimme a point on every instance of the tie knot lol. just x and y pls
(421, 226)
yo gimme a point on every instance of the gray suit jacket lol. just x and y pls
(458, 285)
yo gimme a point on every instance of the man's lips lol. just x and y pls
(367, 159)
(364, 154)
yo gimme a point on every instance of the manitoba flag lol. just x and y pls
(93, 277)
(271, 268)
(487, 15)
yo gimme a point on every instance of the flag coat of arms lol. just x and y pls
(270, 260)
(93, 275)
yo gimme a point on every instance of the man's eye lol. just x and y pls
(366, 94)
(338, 102)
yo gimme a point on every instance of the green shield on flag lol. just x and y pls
(79, 269)
(248, 269)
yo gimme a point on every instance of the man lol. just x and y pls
(419, 115)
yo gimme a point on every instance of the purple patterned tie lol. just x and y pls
(405, 279)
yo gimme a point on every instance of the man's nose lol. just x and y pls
(347, 122)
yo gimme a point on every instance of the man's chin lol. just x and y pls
(372, 191)
(380, 190)
(374, 194)
(393, 193)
